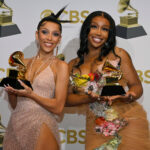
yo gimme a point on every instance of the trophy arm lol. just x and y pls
(133, 9)
(125, 5)
(117, 74)
(21, 73)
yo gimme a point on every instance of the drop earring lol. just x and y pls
(56, 50)
(61, 56)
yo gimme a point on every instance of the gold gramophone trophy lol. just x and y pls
(7, 27)
(128, 27)
(13, 75)
(111, 82)
(2, 132)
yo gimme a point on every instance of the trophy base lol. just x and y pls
(1, 141)
(131, 32)
(112, 90)
(7, 30)
(14, 83)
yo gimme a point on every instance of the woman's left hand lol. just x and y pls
(128, 97)
(26, 92)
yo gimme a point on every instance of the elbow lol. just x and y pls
(58, 110)
(141, 92)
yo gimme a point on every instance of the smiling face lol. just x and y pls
(48, 36)
(99, 31)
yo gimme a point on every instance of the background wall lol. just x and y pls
(26, 15)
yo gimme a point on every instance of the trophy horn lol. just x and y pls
(16, 58)
(109, 67)
(125, 5)
(3, 5)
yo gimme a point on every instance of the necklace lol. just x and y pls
(39, 68)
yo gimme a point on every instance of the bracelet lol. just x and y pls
(98, 98)
(131, 97)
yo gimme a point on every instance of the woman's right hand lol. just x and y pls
(26, 92)
(12, 97)
(10, 93)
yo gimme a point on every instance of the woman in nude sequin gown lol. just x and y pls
(98, 45)
(33, 123)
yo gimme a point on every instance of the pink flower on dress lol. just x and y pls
(109, 128)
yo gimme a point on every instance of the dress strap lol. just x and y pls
(50, 59)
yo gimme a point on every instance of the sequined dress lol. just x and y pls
(27, 118)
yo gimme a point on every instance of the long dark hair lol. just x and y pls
(85, 29)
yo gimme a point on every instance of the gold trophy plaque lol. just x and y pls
(13, 75)
(7, 27)
(111, 83)
(2, 132)
(128, 27)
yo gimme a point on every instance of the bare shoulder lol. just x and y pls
(61, 64)
(122, 53)
(75, 60)
(72, 63)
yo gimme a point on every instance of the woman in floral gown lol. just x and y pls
(116, 121)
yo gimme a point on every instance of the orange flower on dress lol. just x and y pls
(91, 75)
(100, 120)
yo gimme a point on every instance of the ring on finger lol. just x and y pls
(98, 98)
(131, 97)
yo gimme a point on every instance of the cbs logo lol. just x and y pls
(72, 15)
(72, 136)
(144, 76)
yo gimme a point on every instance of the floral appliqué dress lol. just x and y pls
(121, 126)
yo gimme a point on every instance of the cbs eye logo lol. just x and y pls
(72, 15)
